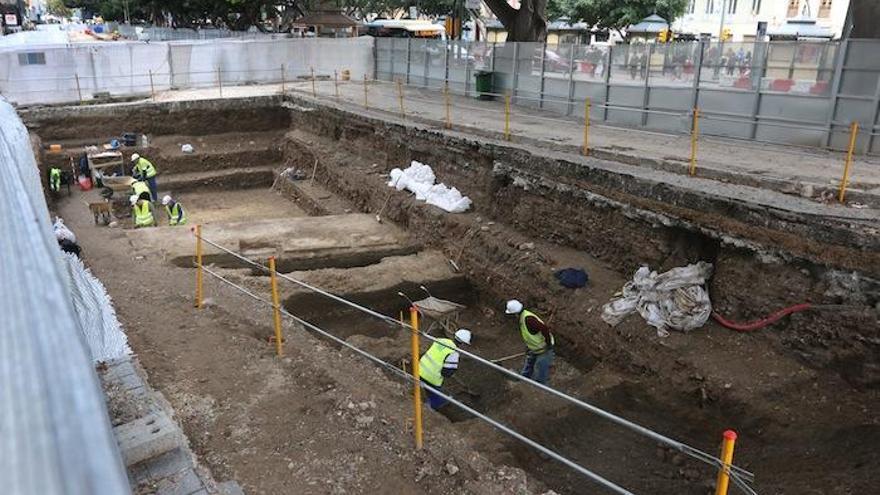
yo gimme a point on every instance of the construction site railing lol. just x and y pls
(740, 477)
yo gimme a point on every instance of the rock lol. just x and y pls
(451, 468)
(484, 228)
(527, 246)
(806, 190)
(363, 421)
(113, 224)
(290, 465)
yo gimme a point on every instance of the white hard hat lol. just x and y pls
(166, 199)
(135, 157)
(463, 335)
(133, 198)
(513, 307)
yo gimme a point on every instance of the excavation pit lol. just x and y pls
(798, 393)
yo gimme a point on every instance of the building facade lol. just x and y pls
(741, 18)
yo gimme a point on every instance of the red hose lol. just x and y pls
(759, 324)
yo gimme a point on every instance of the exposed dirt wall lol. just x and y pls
(764, 259)
(198, 117)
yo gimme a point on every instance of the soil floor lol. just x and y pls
(321, 420)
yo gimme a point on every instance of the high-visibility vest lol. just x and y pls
(55, 178)
(173, 212)
(145, 168)
(535, 342)
(140, 187)
(143, 214)
(431, 364)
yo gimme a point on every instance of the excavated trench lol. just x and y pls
(799, 394)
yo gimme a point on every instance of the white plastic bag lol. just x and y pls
(62, 232)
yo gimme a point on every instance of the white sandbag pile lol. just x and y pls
(419, 179)
(675, 299)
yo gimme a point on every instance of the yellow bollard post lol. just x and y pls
(314, 92)
(417, 381)
(448, 106)
(365, 92)
(507, 117)
(726, 459)
(283, 82)
(336, 83)
(198, 231)
(400, 99)
(695, 129)
(587, 104)
(853, 133)
(152, 88)
(276, 306)
(220, 81)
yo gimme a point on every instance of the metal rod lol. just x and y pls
(198, 232)
(853, 133)
(152, 88)
(276, 306)
(507, 117)
(695, 130)
(586, 148)
(727, 458)
(417, 388)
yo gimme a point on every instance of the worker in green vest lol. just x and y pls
(55, 179)
(538, 339)
(142, 212)
(441, 361)
(141, 190)
(175, 211)
(143, 170)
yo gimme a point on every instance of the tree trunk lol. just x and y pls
(864, 16)
(528, 23)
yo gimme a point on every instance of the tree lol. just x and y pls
(618, 14)
(527, 23)
(57, 8)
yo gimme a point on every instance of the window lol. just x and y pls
(793, 8)
(825, 8)
(32, 58)
(692, 5)
(710, 6)
(731, 6)
(756, 7)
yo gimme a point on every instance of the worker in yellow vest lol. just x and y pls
(141, 190)
(441, 361)
(55, 179)
(142, 212)
(175, 211)
(538, 339)
(143, 170)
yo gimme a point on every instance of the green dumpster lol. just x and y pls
(483, 84)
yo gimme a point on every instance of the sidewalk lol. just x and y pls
(796, 170)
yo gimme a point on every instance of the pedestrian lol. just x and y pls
(175, 211)
(142, 212)
(145, 171)
(439, 362)
(538, 339)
